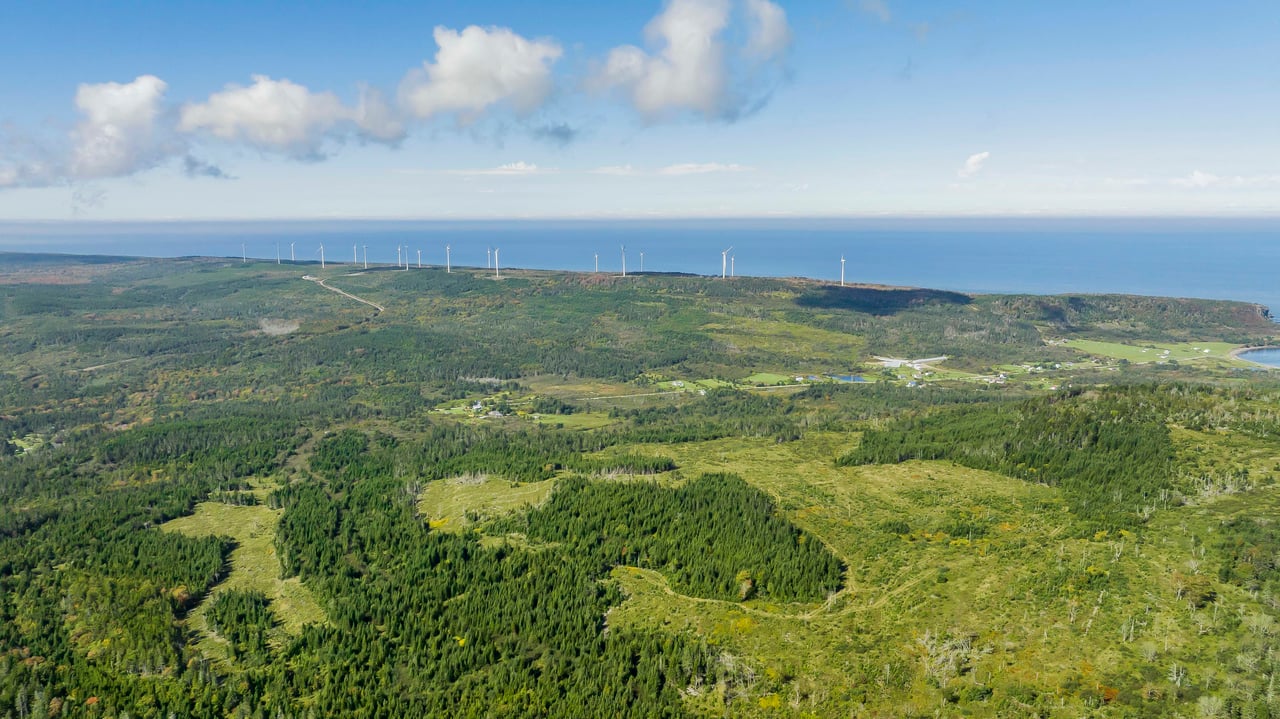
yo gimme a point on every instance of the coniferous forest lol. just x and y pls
(228, 492)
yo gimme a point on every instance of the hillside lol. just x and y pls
(228, 490)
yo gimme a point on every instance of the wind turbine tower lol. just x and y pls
(419, 259)
(624, 260)
(724, 262)
(448, 261)
(322, 257)
(244, 254)
(397, 256)
(355, 255)
(497, 274)
(732, 272)
(842, 270)
(277, 253)
(597, 262)
(488, 257)
(291, 258)
(642, 262)
(366, 257)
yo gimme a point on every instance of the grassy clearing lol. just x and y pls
(802, 342)
(577, 420)
(254, 566)
(768, 378)
(1033, 599)
(1154, 351)
(460, 502)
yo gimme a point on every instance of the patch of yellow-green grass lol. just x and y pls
(577, 420)
(789, 339)
(1041, 606)
(254, 566)
(769, 378)
(1143, 352)
(561, 388)
(457, 503)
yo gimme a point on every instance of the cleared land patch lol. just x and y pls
(254, 566)
(1155, 351)
(456, 503)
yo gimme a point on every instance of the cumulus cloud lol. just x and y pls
(770, 33)
(283, 116)
(973, 165)
(694, 168)
(688, 70)
(478, 68)
(117, 133)
(121, 130)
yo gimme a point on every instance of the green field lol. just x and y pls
(455, 504)
(254, 566)
(1155, 351)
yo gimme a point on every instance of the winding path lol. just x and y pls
(344, 293)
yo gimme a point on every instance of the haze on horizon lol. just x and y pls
(683, 108)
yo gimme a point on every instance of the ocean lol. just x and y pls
(1211, 258)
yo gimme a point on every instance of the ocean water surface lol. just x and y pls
(1237, 259)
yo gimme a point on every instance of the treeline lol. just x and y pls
(1108, 450)
(715, 537)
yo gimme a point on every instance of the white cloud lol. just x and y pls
(477, 68)
(117, 134)
(1196, 179)
(688, 70)
(770, 33)
(693, 168)
(973, 165)
(277, 115)
(1199, 179)
(877, 8)
(511, 168)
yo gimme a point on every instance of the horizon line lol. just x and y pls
(646, 218)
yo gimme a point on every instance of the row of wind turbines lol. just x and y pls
(727, 268)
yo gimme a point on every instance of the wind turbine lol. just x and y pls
(597, 262)
(624, 260)
(724, 261)
(355, 256)
(322, 257)
(397, 256)
(488, 257)
(732, 272)
(366, 257)
(291, 258)
(277, 253)
(419, 259)
(842, 270)
(244, 254)
(448, 262)
(642, 262)
(496, 273)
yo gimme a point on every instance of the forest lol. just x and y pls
(226, 492)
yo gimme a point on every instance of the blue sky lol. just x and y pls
(686, 108)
